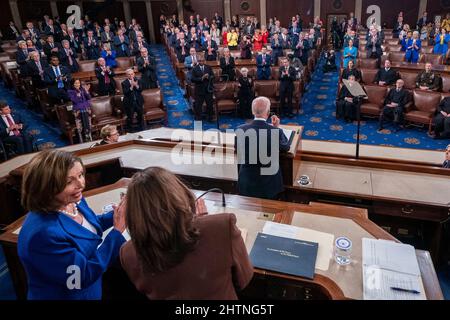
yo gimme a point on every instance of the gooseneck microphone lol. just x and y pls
(214, 190)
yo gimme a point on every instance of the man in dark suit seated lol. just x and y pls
(263, 63)
(91, 46)
(210, 48)
(50, 47)
(203, 76)
(147, 67)
(258, 177)
(441, 120)
(68, 57)
(122, 44)
(394, 105)
(446, 163)
(58, 80)
(386, 76)
(346, 103)
(287, 75)
(35, 69)
(105, 77)
(12, 130)
(182, 50)
(133, 101)
(138, 45)
(107, 36)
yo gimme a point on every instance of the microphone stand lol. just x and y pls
(216, 190)
(358, 119)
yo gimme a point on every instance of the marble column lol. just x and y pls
(54, 8)
(127, 12)
(15, 14)
(151, 29)
(263, 12)
(227, 10)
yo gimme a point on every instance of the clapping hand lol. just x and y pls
(86, 87)
(119, 216)
(275, 121)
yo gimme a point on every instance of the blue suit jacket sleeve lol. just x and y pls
(284, 142)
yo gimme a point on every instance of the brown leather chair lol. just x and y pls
(390, 42)
(368, 75)
(225, 97)
(445, 82)
(87, 65)
(374, 104)
(125, 62)
(118, 81)
(154, 109)
(105, 112)
(396, 56)
(66, 121)
(423, 107)
(275, 73)
(269, 89)
(434, 59)
(395, 47)
(365, 63)
(427, 50)
(409, 78)
(217, 73)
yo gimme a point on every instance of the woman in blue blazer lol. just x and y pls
(413, 47)
(109, 55)
(350, 53)
(441, 42)
(60, 244)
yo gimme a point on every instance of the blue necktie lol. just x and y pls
(60, 82)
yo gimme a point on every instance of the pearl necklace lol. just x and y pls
(72, 214)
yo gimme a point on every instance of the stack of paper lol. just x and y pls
(390, 271)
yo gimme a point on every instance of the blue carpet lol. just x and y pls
(6, 287)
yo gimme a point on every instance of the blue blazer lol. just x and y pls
(50, 243)
(263, 70)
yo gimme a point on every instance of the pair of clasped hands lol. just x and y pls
(119, 218)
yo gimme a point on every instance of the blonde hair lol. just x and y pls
(105, 132)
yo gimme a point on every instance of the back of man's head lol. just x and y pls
(261, 107)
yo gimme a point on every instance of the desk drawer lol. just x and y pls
(412, 211)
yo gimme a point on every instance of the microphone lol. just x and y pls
(211, 190)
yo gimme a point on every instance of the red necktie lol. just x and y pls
(69, 56)
(106, 76)
(11, 123)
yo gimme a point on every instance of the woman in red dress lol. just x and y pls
(224, 37)
(265, 35)
(257, 41)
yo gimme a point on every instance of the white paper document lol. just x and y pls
(390, 271)
(325, 240)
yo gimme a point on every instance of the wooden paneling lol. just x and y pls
(98, 11)
(437, 7)
(167, 8)
(253, 8)
(285, 10)
(332, 7)
(5, 16)
(205, 8)
(390, 10)
(139, 12)
(33, 10)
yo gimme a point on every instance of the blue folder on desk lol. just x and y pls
(285, 255)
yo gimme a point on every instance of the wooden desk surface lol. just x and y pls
(415, 67)
(84, 75)
(340, 282)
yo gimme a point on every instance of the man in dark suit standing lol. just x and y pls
(203, 76)
(12, 31)
(57, 79)
(105, 77)
(287, 75)
(133, 101)
(263, 63)
(138, 45)
(35, 69)
(53, 30)
(257, 176)
(73, 39)
(22, 57)
(107, 36)
(50, 47)
(12, 130)
(441, 120)
(68, 57)
(91, 45)
(394, 105)
(422, 21)
(147, 67)
(122, 44)
(386, 76)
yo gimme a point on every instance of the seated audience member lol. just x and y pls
(446, 163)
(394, 105)
(50, 47)
(35, 69)
(386, 76)
(109, 55)
(139, 44)
(428, 80)
(330, 62)
(413, 47)
(232, 39)
(347, 104)
(60, 230)
(227, 66)
(441, 41)
(287, 76)
(172, 235)
(351, 70)
(68, 57)
(133, 101)
(147, 67)
(109, 135)
(246, 48)
(277, 48)
(107, 36)
(105, 77)
(245, 94)
(441, 120)
(210, 49)
(350, 53)
(122, 44)
(12, 130)
(91, 46)
(263, 63)
(373, 45)
(57, 78)
(190, 62)
(74, 40)
(181, 50)
(81, 101)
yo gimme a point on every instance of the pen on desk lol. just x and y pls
(405, 290)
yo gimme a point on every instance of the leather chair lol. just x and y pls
(269, 89)
(275, 73)
(87, 65)
(395, 47)
(217, 73)
(118, 81)
(66, 121)
(409, 78)
(154, 109)
(368, 75)
(422, 109)
(445, 82)
(365, 63)
(396, 56)
(434, 59)
(374, 104)
(125, 62)
(427, 50)
(105, 112)
(225, 96)
(390, 42)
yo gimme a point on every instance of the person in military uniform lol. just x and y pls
(428, 80)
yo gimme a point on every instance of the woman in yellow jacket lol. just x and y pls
(232, 38)
(446, 23)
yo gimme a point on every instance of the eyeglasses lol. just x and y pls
(114, 134)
